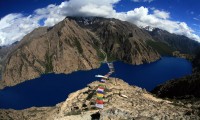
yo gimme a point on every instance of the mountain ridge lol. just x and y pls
(177, 42)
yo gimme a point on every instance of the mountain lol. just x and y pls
(4, 51)
(121, 101)
(81, 43)
(148, 28)
(120, 39)
(76, 43)
(174, 42)
(64, 48)
(182, 88)
(196, 62)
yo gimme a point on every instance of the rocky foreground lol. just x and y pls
(122, 101)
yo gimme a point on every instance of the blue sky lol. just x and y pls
(181, 10)
(19, 17)
(23, 6)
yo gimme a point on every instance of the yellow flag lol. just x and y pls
(99, 95)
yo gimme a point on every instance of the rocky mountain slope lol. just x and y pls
(63, 48)
(75, 44)
(4, 51)
(186, 87)
(137, 104)
(173, 42)
(120, 40)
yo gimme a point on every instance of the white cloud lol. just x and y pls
(55, 13)
(14, 26)
(161, 14)
(160, 19)
(143, 1)
(196, 18)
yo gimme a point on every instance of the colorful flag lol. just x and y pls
(99, 101)
(99, 106)
(100, 89)
(100, 92)
(99, 95)
(103, 80)
(107, 75)
(99, 98)
(110, 72)
(101, 85)
(111, 67)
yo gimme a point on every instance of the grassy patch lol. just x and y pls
(100, 55)
(161, 47)
(111, 58)
(48, 63)
(78, 45)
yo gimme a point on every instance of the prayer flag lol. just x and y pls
(99, 95)
(99, 101)
(99, 106)
(99, 89)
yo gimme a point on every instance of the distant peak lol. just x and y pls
(85, 20)
(89, 18)
(149, 28)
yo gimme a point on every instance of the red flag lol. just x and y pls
(99, 101)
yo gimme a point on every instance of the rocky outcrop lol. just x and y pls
(122, 101)
(181, 55)
(73, 45)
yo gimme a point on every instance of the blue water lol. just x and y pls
(50, 89)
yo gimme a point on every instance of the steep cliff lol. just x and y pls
(76, 44)
(79, 105)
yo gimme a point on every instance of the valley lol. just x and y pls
(56, 61)
(74, 44)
